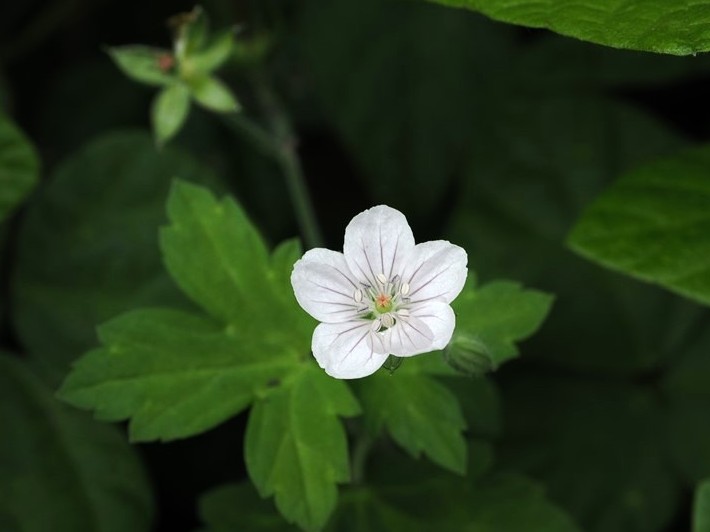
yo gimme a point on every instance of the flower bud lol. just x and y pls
(468, 355)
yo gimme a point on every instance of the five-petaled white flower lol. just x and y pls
(383, 295)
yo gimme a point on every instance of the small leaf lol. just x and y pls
(296, 447)
(238, 507)
(419, 412)
(701, 508)
(19, 167)
(215, 54)
(143, 64)
(213, 95)
(492, 318)
(678, 27)
(653, 224)
(170, 109)
(173, 373)
(59, 469)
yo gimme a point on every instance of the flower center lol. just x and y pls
(383, 303)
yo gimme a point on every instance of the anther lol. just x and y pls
(387, 320)
(404, 289)
(403, 312)
(381, 277)
(376, 325)
(357, 295)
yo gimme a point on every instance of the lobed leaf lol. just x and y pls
(296, 449)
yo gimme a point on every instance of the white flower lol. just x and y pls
(383, 295)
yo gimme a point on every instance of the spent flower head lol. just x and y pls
(382, 296)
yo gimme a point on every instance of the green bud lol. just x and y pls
(468, 355)
(392, 363)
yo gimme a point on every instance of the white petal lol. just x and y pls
(435, 269)
(324, 286)
(344, 350)
(440, 319)
(377, 241)
(409, 336)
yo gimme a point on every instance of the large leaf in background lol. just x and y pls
(296, 447)
(599, 446)
(177, 374)
(554, 155)
(59, 469)
(19, 167)
(701, 508)
(88, 247)
(688, 388)
(404, 83)
(654, 224)
(681, 27)
(173, 374)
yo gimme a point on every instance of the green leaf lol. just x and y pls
(19, 167)
(170, 109)
(214, 54)
(420, 414)
(174, 374)
(238, 507)
(213, 95)
(296, 447)
(142, 64)
(560, 429)
(701, 508)
(492, 318)
(679, 28)
(217, 256)
(59, 469)
(84, 258)
(653, 223)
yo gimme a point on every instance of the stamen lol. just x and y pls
(357, 295)
(376, 325)
(381, 278)
(403, 312)
(404, 289)
(387, 320)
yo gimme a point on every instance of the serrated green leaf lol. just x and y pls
(216, 256)
(653, 223)
(142, 64)
(680, 28)
(174, 374)
(701, 508)
(213, 94)
(84, 258)
(420, 414)
(170, 109)
(296, 447)
(238, 507)
(59, 469)
(19, 167)
(497, 315)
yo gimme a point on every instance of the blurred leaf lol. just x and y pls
(688, 387)
(610, 434)
(142, 64)
(88, 248)
(174, 374)
(405, 84)
(554, 155)
(234, 507)
(215, 53)
(420, 414)
(170, 109)
(59, 469)
(480, 404)
(214, 95)
(678, 28)
(19, 167)
(296, 447)
(701, 508)
(653, 223)
(490, 319)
